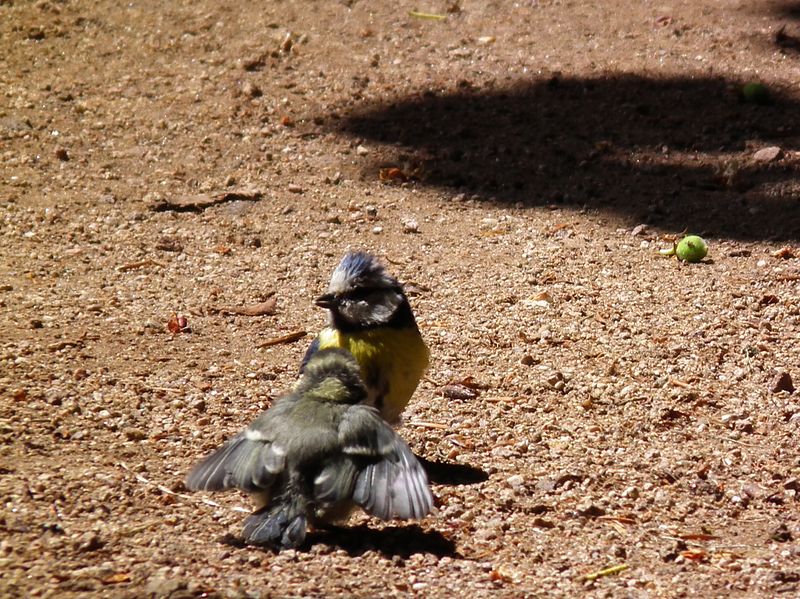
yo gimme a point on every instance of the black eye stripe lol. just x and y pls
(361, 293)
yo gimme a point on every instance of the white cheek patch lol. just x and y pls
(356, 311)
(378, 308)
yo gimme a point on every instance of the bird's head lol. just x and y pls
(333, 375)
(361, 294)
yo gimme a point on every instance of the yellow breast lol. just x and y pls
(392, 363)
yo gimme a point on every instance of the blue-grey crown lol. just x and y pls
(358, 268)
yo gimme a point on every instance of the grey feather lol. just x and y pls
(393, 484)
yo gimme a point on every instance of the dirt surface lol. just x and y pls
(198, 157)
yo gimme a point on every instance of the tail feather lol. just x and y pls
(282, 526)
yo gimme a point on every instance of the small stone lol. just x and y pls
(587, 509)
(540, 522)
(251, 89)
(89, 541)
(377, 230)
(782, 534)
(767, 154)
(631, 493)
(134, 434)
(162, 586)
(515, 481)
(62, 154)
(362, 151)
(410, 225)
(294, 188)
(782, 381)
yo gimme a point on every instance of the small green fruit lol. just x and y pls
(755, 93)
(691, 249)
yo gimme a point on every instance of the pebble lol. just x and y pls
(362, 151)
(294, 188)
(767, 154)
(516, 481)
(782, 381)
(410, 225)
(251, 89)
(134, 434)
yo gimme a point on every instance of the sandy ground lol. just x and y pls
(518, 165)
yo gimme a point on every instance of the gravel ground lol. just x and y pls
(518, 165)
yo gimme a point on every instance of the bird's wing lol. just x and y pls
(389, 481)
(250, 462)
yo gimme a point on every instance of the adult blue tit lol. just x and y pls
(371, 318)
(314, 455)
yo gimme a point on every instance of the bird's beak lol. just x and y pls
(327, 300)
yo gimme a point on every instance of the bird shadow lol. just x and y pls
(675, 152)
(401, 541)
(452, 473)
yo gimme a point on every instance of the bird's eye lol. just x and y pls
(360, 294)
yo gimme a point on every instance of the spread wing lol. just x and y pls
(378, 468)
(250, 462)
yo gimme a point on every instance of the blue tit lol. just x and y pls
(371, 318)
(314, 455)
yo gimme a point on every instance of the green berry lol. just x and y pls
(691, 249)
(755, 93)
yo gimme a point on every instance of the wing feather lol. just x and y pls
(390, 483)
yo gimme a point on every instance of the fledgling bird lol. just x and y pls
(314, 455)
(371, 318)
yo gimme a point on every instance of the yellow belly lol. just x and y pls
(392, 363)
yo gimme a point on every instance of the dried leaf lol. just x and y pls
(199, 202)
(695, 555)
(392, 174)
(469, 381)
(784, 253)
(697, 536)
(458, 392)
(178, 324)
(289, 338)
(117, 578)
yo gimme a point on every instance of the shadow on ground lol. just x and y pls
(784, 9)
(402, 541)
(452, 473)
(676, 153)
